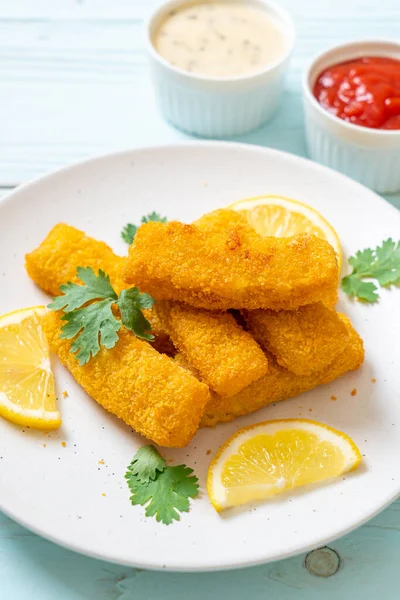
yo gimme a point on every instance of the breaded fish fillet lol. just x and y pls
(224, 219)
(304, 341)
(147, 390)
(235, 268)
(227, 357)
(65, 248)
(279, 384)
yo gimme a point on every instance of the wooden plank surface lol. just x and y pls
(74, 83)
(32, 568)
(75, 86)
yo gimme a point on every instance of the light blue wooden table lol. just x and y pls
(74, 83)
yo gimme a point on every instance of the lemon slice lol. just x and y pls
(264, 460)
(27, 394)
(282, 217)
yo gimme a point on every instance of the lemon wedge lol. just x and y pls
(282, 217)
(264, 460)
(27, 395)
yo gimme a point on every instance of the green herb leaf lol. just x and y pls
(154, 217)
(362, 261)
(76, 295)
(167, 494)
(89, 314)
(129, 231)
(146, 464)
(130, 303)
(356, 288)
(381, 264)
(93, 326)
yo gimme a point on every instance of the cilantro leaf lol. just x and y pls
(388, 251)
(76, 295)
(381, 264)
(362, 261)
(387, 269)
(167, 494)
(89, 315)
(129, 231)
(356, 288)
(387, 278)
(93, 326)
(154, 217)
(130, 303)
(146, 464)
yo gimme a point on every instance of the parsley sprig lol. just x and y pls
(89, 313)
(165, 490)
(129, 231)
(382, 264)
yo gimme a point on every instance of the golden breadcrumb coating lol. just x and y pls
(227, 357)
(182, 362)
(232, 268)
(223, 219)
(279, 384)
(65, 248)
(304, 341)
(147, 390)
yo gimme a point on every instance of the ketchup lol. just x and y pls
(365, 91)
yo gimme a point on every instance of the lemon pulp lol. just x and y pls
(27, 395)
(267, 459)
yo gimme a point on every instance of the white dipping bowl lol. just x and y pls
(370, 156)
(217, 107)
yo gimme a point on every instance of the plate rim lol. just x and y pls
(249, 148)
(323, 541)
(257, 148)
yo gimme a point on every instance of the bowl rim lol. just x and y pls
(281, 13)
(356, 46)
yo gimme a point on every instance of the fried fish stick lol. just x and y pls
(227, 357)
(279, 384)
(147, 390)
(223, 219)
(304, 341)
(65, 248)
(235, 268)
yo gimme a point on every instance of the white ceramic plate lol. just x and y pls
(58, 491)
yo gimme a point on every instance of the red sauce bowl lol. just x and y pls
(351, 112)
(363, 91)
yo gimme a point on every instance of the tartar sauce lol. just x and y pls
(220, 39)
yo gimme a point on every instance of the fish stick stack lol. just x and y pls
(249, 319)
(284, 288)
